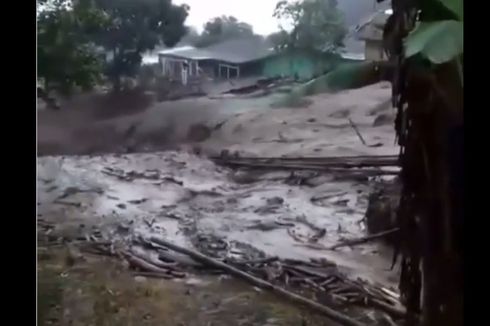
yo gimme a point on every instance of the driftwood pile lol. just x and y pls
(343, 165)
(152, 175)
(316, 283)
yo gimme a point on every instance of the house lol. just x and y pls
(243, 58)
(302, 64)
(225, 60)
(371, 32)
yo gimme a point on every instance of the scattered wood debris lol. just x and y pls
(349, 165)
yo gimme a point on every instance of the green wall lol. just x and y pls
(304, 65)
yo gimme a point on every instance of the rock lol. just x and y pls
(384, 119)
(340, 114)
(245, 177)
(275, 201)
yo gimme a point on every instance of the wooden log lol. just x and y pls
(353, 242)
(353, 125)
(314, 167)
(327, 311)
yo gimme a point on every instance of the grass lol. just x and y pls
(96, 291)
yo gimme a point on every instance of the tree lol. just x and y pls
(223, 28)
(66, 56)
(316, 25)
(136, 27)
(424, 42)
(280, 39)
(191, 37)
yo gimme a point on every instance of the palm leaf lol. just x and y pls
(439, 42)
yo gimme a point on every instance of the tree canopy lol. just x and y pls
(75, 35)
(316, 25)
(221, 29)
(135, 27)
(66, 55)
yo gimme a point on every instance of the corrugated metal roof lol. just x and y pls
(177, 49)
(232, 51)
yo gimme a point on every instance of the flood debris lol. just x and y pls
(358, 241)
(331, 313)
(361, 138)
(289, 278)
(341, 166)
(230, 222)
(154, 175)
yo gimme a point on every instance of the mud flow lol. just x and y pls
(100, 217)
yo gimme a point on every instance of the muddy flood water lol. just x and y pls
(121, 200)
(190, 201)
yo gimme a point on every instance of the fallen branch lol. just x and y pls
(314, 167)
(329, 312)
(143, 265)
(353, 125)
(337, 161)
(393, 311)
(338, 194)
(353, 242)
(153, 275)
(262, 261)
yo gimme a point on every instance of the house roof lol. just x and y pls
(231, 51)
(371, 28)
(353, 56)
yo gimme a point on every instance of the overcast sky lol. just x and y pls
(257, 13)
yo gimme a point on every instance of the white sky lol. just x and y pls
(257, 13)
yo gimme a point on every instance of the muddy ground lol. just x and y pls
(99, 291)
(170, 192)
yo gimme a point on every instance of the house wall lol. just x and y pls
(302, 65)
(172, 67)
(374, 50)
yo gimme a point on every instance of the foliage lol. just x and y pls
(191, 37)
(455, 6)
(428, 95)
(280, 39)
(316, 25)
(135, 27)
(221, 29)
(439, 41)
(66, 56)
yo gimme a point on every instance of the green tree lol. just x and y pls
(221, 29)
(315, 25)
(279, 39)
(191, 37)
(136, 27)
(66, 57)
(426, 47)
